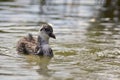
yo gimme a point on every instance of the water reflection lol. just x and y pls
(42, 4)
(87, 45)
(110, 11)
(104, 36)
(41, 62)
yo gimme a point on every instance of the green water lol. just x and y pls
(86, 47)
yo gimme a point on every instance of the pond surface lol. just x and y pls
(86, 48)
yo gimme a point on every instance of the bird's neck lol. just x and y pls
(43, 39)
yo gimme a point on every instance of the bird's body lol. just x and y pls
(26, 45)
(37, 45)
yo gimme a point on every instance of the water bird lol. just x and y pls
(37, 45)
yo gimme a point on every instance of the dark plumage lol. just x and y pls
(37, 46)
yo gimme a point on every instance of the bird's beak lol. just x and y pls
(52, 35)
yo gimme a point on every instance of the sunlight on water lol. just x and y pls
(86, 48)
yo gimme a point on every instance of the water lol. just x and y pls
(86, 48)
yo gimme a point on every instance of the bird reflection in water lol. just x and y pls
(39, 63)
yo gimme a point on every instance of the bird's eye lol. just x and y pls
(47, 29)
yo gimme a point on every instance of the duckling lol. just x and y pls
(37, 46)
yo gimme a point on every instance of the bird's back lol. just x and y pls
(27, 44)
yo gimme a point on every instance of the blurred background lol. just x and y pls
(87, 45)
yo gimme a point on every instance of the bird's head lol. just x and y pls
(46, 31)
